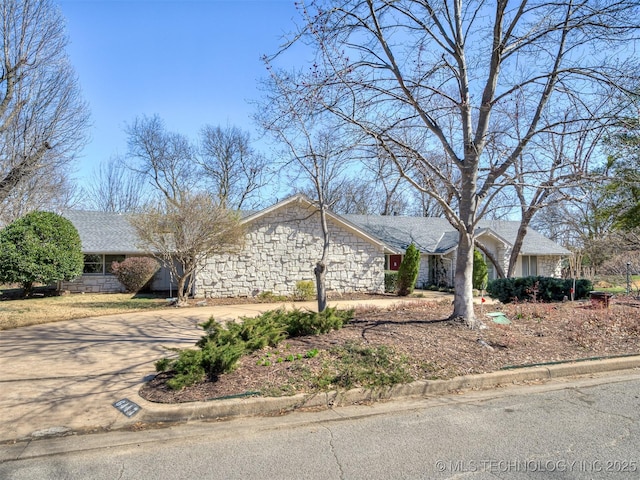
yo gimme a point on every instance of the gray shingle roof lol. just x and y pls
(430, 235)
(104, 232)
(534, 242)
(437, 236)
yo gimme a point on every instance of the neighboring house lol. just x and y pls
(284, 242)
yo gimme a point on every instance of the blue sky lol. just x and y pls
(192, 62)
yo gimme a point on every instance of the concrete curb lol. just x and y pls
(252, 406)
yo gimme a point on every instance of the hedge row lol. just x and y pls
(545, 289)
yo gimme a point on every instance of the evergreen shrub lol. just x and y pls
(544, 289)
(480, 271)
(41, 247)
(390, 281)
(408, 271)
(222, 346)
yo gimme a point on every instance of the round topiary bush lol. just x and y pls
(135, 272)
(41, 247)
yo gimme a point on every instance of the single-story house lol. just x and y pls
(284, 241)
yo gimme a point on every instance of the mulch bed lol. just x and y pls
(433, 346)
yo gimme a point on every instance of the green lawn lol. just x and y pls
(616, 284)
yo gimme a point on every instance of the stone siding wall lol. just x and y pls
(424, 273)
(550, 266)
(282, 248)
(93, 284)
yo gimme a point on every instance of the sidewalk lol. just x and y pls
(66, 376)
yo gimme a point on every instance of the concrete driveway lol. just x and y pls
(67, 375)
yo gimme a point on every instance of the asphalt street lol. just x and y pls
(585, 428)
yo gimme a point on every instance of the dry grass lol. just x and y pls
(47, 307)
(16, 313)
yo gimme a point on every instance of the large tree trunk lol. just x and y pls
(463, 282)
(320, 272)
(468, 207)
(182, 295)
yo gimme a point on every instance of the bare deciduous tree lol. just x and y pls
(183, 235)
(578, 225)
(235, 172)
(114, 187)
(52, 192)
(42, 116)
(387, 185)
(552, 169)
(317, 155)
(183, 225)
(165, 159)
(374, 188)
(354, 195)
(450, 69)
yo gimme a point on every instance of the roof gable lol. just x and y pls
(534, 242)
(304, 202)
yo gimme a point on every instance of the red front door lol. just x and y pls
(394, 262)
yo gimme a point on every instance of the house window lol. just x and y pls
(97, 264)
(109, 259)
(529, 266)
(93, 264)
